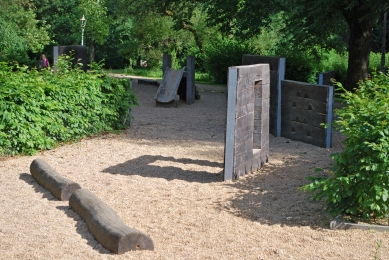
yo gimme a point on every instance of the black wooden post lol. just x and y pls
(190, 80)
(166, 62)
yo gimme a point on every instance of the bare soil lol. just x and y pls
(163, 176)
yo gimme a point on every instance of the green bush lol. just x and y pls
(40, 109)
(222, 54)
(359, 181)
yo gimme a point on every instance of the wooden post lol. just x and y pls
(190, 80)
(166, 62)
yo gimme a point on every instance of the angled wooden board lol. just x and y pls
(167, 90)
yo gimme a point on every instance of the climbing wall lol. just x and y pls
(305, 108)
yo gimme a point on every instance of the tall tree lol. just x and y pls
(97, 25)
(321, 22)
(61, 26)
(19, 31)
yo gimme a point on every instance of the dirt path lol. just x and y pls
(163, 176)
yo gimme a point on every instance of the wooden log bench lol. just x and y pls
(105, 225)
(61, 188)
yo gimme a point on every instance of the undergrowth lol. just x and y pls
(41, 109)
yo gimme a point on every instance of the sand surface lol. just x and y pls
(163, 176)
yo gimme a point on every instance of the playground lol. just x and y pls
(164, 177)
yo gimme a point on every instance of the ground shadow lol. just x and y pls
(37, 187)
(143, 166)
(83, 230)
(271, 197)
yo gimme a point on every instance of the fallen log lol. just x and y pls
(106, 226)
(62, 188)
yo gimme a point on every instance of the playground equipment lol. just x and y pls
(48, 178)
(247, 130)
(104, 224)
(186, 90)
(298, 110)
(167, 90)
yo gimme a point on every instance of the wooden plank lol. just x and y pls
(304, 104)
(337, 224)
(230, 124)
(324, 78)
(61, 187)
(166, 62)
(167, 90)
(304, 90)
(330, 108)
(273, 62)
(105, 225)
(303, 133)
(281, 77)
(303, 116)
(190, 80)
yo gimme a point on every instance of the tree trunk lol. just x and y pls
(359, 46)
(383, 50)
(92, 52)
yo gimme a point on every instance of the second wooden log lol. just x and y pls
(106, 226)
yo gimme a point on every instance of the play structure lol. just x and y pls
(298, 110)
(167, 90)
(305, 109)
(247, 126)
(104, 224)
(176, 85)
(277, 74)
(61, 188)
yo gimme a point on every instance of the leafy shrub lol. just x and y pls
(222, 54)
(39, 110)
(359, 181)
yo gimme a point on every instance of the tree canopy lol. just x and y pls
(20, 31)
(146, 29)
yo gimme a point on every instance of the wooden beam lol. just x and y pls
(105, 225)
(62, 188)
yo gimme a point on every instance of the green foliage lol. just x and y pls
(222, 54)
(39, 110)
(20, 32)
(359, 181)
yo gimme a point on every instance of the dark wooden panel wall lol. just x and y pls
(324, 78)
(247, 131)
(277, 73)
(80, 54)
(304, 108)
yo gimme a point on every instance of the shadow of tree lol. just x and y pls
(170, 169)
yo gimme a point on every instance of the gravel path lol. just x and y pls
(163, 176)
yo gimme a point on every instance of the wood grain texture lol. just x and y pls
(105, 225)
(61, 187)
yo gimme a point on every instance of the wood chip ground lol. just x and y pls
(163, 176)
